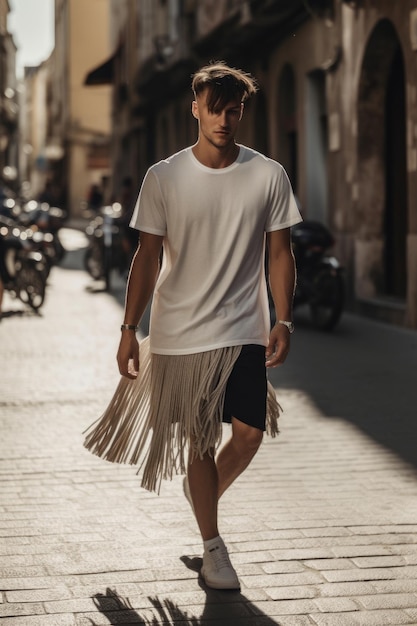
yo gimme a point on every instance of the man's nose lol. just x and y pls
(223, 118)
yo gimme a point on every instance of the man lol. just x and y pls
(210, 207)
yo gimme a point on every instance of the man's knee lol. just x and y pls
(247, 438)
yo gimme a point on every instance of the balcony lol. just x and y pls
(227, 29)
(233, 29)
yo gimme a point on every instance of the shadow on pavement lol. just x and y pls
(364, 372)
(223, 608)
(24, 312)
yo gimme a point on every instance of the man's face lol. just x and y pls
(218, 127)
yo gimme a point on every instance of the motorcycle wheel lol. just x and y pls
(327, 302)
(30, 287)
(94, 262)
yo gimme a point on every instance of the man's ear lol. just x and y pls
(194, 109)
(242, 108)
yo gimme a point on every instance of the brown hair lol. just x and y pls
(224, 84)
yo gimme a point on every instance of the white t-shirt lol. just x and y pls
(211, 291)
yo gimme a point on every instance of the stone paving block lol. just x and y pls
(326, 532)
(41, 620)
(12, 559)
(213, 610)
(72, 605)
(329, 564)
(301, 554)
(261, 556)
(21, 609)
(282, 567)
(373, 530)
(364, 618)
(355, 551)
(22, 572)
(26, 583)
(38, 595)
(381, 573)
(273, 608)
(336, 605)
(294, 592)
(388, 601)
(379, 561)
(355, 540)
(276, 580)
(347, 589)
(292, 620)
(168, 586)
(395, 586)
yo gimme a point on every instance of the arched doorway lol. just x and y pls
(287, 124)
(382, 168)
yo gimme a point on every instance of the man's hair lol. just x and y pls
(223, 83)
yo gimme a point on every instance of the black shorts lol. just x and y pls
(246, 388)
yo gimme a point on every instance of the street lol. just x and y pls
(322, 527)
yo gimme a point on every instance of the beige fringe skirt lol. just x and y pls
(174, 405)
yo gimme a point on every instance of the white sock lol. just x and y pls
(209, 542)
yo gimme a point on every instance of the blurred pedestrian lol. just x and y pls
(211, 206)
(95, 198)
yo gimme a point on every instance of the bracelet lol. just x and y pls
(129, 327)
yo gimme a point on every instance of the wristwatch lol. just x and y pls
(289, 325)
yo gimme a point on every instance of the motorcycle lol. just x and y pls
(105, 250)
(23, 267)
(320, 280)
(45, 221)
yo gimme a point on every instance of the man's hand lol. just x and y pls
(128, 355)
(278, 346)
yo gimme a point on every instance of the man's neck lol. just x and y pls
(213, 157)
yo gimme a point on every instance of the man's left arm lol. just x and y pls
(282, 277)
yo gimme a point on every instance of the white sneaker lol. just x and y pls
(217, 570)
(187, 492)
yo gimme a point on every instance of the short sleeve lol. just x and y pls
(283, 210)
(149, 213)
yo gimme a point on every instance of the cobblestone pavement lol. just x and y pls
(322, 527)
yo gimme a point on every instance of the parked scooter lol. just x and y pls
(320, 280)
(45, 220)
(105, 250)
(23, 267)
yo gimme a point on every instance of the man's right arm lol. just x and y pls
(141, 283)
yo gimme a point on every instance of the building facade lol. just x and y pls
(78, 145)
(9, 108)
(336, 105)
(33, 130)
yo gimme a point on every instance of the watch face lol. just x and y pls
(289, 325)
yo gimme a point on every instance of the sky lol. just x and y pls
(32, 24)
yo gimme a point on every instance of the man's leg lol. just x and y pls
(237, 453)
(204, 485)
(209, 479)
(217, 570)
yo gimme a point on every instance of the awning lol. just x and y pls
(103, 74)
